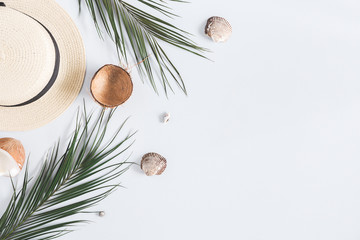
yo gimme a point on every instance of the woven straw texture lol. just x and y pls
(40, 64)
(25, 70)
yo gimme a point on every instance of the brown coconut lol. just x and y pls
(111, 86)
(15, 149)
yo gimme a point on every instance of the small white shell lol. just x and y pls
(166, 118)
(153, 164)
(101, 214)
(218, 28)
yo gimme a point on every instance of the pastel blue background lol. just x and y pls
(265, 147)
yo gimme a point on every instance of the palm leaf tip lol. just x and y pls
(133, 28)
(68, 183)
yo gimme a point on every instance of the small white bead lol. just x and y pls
(101, 213)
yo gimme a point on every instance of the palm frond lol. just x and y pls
(68, 184)
(131, 26)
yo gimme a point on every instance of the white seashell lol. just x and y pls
(153, 164)
(218, 28)
(166, 118)
(101, 214)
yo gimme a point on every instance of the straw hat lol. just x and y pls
(42, 63)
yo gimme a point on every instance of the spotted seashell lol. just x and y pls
(166, 118)
(218, 28)
(153, 164)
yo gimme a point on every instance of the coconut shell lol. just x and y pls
(111, 86)
(15, 149)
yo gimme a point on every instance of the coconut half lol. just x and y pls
(111, 86)
(8, 165)
(12, 157)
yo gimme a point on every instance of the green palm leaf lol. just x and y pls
(68, 184)
(129, 26)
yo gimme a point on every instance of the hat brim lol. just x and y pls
(70, 75)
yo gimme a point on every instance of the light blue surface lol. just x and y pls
(265, 147)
